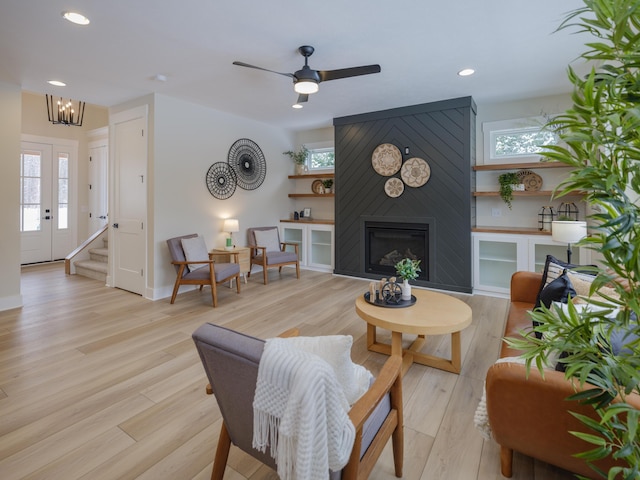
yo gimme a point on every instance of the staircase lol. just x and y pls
(96, 266)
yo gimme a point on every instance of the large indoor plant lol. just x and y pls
(600, 139)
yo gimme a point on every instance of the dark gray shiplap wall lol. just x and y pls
(443, 134)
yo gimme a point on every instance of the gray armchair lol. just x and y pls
(268, 251)
(231, 360)
(189, 274)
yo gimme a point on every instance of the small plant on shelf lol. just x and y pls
(299, 157)
(328, 185)
(507, 180)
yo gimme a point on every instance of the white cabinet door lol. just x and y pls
(315, 244)
(320, 247)
(496, 259)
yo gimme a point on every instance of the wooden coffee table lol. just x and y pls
(433, 314)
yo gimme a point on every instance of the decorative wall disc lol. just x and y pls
(393, 187)
(532, 181)
(221, 181)
(386, 159)
(248, 163)
(415, 172)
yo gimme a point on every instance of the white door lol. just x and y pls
(47, 220)
(130, 200)
(98, 191)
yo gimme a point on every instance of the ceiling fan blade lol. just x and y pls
(303, 97)
(326, 75)
(242, 64)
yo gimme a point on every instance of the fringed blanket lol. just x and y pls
(300, 411)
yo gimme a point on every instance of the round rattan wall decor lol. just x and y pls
(386, 159)
(415, 172)
(221, 181)
(248, 163)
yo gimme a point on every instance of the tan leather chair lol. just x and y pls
(208, 275)
(231, 360)
(273, 253)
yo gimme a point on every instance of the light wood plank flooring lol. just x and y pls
(97, 383)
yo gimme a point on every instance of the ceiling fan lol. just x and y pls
(306, 80)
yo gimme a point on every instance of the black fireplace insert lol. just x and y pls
(386, 243)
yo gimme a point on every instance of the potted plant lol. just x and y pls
(407, 269)
(507, 181)
(328, 185)
(299, 159)
(600, 137)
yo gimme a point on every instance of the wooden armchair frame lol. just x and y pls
(259, 254)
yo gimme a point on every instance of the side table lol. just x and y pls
(223, 255)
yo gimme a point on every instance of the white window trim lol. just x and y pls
(319, 146)
(519, 125)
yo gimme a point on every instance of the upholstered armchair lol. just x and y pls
(193, 266)
(231, 360)
(268, 251)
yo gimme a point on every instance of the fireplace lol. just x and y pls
(386, 243)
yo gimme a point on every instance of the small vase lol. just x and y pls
(406, 290)
(301, 169)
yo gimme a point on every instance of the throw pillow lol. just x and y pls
(582, 284)
(336, 351)
(195, 250)
(553, 268)
(268, 239)
(557, 290)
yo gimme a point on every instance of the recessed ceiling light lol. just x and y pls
(57, 83)
(466, 72)
(75, 17)
(296, 105)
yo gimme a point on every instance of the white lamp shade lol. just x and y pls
(231, 225)
(568, 231)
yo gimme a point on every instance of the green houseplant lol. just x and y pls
(299, 158)
(600, 139)
(407, 269)
(506, 181)
(328, 185)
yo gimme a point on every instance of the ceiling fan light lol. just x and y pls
(305, 87)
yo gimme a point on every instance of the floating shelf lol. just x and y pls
(539, 193)
(520, 166)
(311, 195)
(313, 175)
(511, 230)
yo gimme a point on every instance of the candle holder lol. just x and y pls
(546, 215)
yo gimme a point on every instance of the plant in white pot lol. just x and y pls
(407, 269)
(299, 157)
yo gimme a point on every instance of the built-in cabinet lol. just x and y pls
(315, 242)
(497, 256)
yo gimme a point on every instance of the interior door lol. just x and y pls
(130, 201)
(47, 201)
(98, 187)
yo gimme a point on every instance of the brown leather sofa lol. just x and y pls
(531, 415)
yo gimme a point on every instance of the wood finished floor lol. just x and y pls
(97, 383)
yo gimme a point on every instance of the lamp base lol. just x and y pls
(229, 247)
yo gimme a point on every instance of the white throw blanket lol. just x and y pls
(300, 411)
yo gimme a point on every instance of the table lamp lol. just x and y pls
(230, 225)
(568, 232)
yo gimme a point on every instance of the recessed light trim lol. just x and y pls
(465, 72)
(57, 83)
(296, 105)
(75, 17)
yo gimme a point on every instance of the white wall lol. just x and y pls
(187, 140)
(525, 210)
(10, 105)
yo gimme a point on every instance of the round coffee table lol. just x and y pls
(433, 314)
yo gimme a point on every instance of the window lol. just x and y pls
(516, 141)
(321, 157)
(63, 191)
(30, 183)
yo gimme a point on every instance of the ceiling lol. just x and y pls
(420, 45)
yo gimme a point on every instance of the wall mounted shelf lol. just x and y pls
(519, 166)
(309, 195)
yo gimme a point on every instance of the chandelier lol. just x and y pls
(64, 112)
